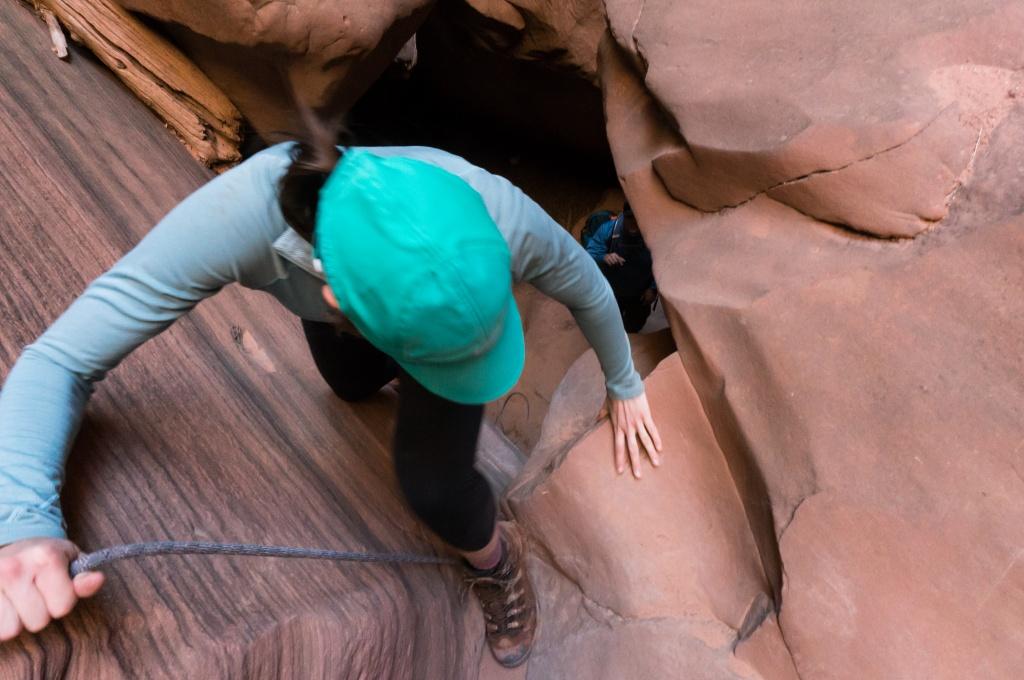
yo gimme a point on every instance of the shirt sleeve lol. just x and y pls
(218, 235)
(597, 246)
(549, 258)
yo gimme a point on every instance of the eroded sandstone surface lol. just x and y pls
(867, 115)
(267, 55)
(847, 309)
(834, 198)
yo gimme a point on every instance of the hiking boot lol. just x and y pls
(506, 597)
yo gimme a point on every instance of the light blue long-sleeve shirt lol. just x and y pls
(231, 230)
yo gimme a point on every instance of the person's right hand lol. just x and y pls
(614, 259)
(36, 585)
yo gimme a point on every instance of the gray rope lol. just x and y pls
(90, 561)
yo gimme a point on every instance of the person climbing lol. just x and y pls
(618, 247)
(415, 251)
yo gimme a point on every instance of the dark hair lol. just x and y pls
(299, 188)
(314, 156)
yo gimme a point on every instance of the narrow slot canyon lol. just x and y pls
(831, 197)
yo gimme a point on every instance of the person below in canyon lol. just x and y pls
(416, 251)
(618, 247)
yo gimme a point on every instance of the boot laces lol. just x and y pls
(501, 599)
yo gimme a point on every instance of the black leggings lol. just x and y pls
(435, 439)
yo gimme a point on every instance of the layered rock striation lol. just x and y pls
(832, 194)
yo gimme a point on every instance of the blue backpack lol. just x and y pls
(594, 222)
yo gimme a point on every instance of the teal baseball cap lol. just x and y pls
(420, 269)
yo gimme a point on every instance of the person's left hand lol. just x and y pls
(631, 418)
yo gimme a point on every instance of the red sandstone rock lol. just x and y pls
(559, 33)
(865, 393)
(665, 567)
(327, 52)
(577, 406)
(864, 114)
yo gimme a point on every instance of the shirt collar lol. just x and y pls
(298, 251)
